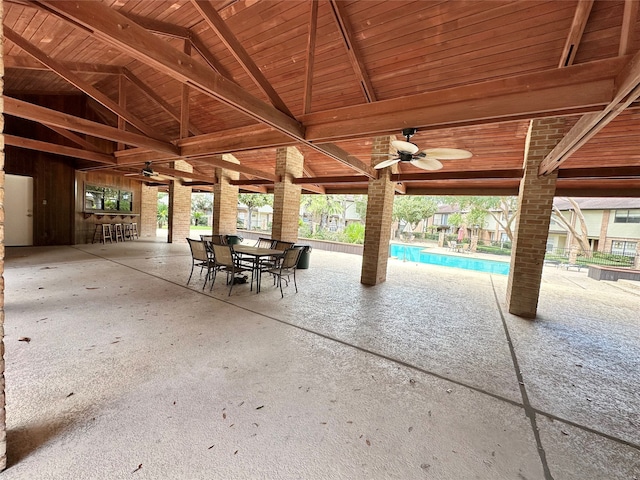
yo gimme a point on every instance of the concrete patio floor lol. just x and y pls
(129, 373)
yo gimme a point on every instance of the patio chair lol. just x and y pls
(286, 267)
(281, 245)
(225, 260)
(264, 242)
(199, 258)
(219, 239)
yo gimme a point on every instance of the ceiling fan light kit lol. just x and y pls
(427, 159)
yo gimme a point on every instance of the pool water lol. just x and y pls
(412, 253)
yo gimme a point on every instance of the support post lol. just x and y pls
(179, 206)
(381, 191)
(225, 202)
(286, 194)
(148, 212)
(535, 204)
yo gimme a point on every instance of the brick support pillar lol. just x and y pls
(535, 203)
(3, 418)
(179, 206)
(286, 195)
(225, 202)
(381, 191)
(148, 212)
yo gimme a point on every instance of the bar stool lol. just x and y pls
(133, 232)
(102, 233)
(117, 232)
(127, 231)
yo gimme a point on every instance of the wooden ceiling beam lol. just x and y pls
(46, 116)
(341, 18)
(467, 175)
(75, 138)
(111, 27)
(255, 189)
(218, 25)
(310, 187)
(311, 49)
(58, 149)
(579, 88)
(156, 98)
(580, 17)
(600, 172)
(79, 83)
(29, 63)
(331, 180)
(236, 167)
(627, 33)
(160, 27)
(183, 174)
(627, 91)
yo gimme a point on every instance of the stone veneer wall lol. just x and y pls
(535, 203)
(375, 255)
(286, 194)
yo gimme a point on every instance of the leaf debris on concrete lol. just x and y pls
(139, 467)
(24, 339)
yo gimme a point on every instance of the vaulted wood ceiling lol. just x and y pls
(196, 80)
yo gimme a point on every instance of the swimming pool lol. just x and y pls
(412, 253)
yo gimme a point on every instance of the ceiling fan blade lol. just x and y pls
(386, 163)
(403, 146)
(448, 153)
(427, 163)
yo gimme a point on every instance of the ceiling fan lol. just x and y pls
(426, 159)
(148, 172)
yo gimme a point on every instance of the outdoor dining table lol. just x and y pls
(256, 253)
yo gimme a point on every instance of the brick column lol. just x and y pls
(148, 212)
(381, 191)
(179, 206)
(535, 203)
(3, 418)
(225, 202)
(286, 195)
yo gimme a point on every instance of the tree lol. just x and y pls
(413, 209)
(502, 209)
(582, 237)
(254, 201)
(201, 205)
(163, 214)
(321, 207)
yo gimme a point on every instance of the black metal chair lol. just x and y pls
(199, 258)
(287, 265)
(225, 259)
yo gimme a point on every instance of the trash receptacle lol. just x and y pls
(303, 261)
(234, 239)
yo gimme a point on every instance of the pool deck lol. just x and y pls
(129, 373)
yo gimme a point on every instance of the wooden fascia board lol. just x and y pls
(58, 149)
(330, 180)
(218, 25)
(466, 175)
(255, 181)
(601, 172)
(580, 17)
(353, 53)
(566, 187)
(60, 70)
(583, 87)
(627, 84)
(115, 29)
(47, 116)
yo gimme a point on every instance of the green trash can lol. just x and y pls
(303, 261)
(234, 239)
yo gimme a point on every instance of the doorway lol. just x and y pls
(18, 211)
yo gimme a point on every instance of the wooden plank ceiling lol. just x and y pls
(197, 80)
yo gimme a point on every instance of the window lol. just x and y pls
(627, 216)
(441, 219)
(107, 199)
(624, 248)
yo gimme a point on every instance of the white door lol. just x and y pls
(18, 210)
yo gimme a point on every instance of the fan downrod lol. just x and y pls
(409, 132)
